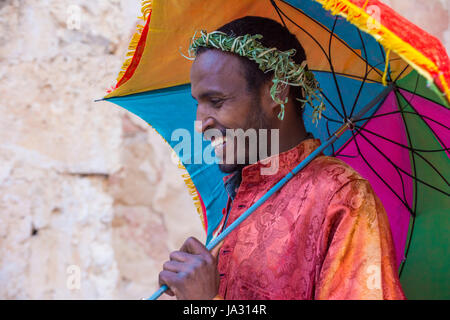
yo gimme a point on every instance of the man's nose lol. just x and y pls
(203, 121)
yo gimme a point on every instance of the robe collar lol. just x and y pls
(288, 160)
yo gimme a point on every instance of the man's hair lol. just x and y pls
(274, 35)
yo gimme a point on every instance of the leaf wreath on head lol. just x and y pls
(286, 71)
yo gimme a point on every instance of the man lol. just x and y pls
(324, 235)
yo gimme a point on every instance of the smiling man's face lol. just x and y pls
(219, 86)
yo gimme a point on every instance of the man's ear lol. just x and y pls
(284, 92)
(282, 95)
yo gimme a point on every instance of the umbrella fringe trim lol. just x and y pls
(147, 6)
(360, 18)
(354, 14)
(146, 11)
(194, 194)
(191, 188)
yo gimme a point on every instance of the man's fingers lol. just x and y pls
(175, 266)
(191, 272)
(169, 292)
(181, 256)
(167, 278)
(194, 246)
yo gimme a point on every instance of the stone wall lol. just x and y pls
(86, 188)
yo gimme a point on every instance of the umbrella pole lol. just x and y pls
(348, 125)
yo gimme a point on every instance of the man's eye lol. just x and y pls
(216, 102)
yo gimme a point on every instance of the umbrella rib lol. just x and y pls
(415, 152)
(331, 104)
(365, 75)
(332, 69)
(403, 184)
(347, 156)
(364, 80)
(345, 145)
(323, 50)
(431, 129)
(350, 75)
(358, 77)
(320, 46)
(326, 29)
(350, 140)
(355, 76)
(401, 111)
(401, 73)
(393, 164)
(422, 96)
(306, 32)
(331, 120)
(378, 175)
(278, 11)
(401, 145)
(329, 134)
(414, 92)
(405, 256)
(398, 172)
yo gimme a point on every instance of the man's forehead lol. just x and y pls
(213, 59)
(215, 69)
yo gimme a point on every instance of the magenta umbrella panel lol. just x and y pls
(401, 147)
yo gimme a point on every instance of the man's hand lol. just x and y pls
(191, 273)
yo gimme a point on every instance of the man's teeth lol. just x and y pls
(218, 141)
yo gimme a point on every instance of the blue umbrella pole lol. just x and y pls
(349, 124)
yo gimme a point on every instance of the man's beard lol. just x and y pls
(256, 120)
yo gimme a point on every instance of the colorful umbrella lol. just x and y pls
(376, 69)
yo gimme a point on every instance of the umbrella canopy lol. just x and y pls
(399, 145)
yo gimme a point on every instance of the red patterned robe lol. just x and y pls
(324, 235)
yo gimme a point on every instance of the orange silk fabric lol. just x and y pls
(324, 235)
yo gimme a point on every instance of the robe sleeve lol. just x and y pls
(356, 248)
